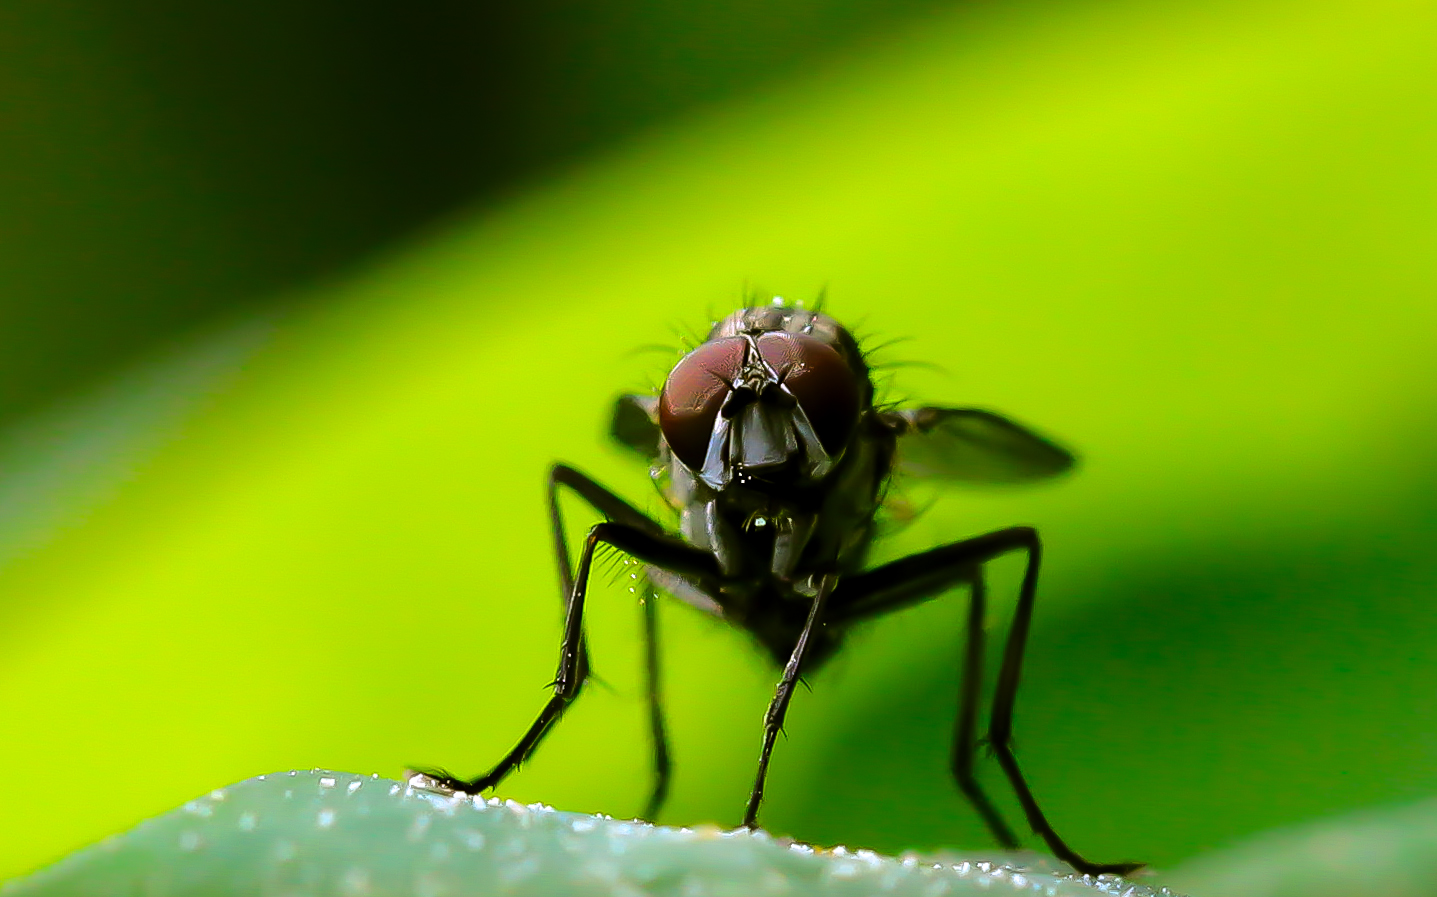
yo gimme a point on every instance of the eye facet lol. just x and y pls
(694, 393)
(821, 381)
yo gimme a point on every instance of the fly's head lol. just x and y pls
(758, 424)
(769, 402)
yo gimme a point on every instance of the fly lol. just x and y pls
(767, 442)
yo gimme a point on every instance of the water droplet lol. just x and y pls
(217, 794)
(326, 818)
(418, 827)
(247, 822)
(190, 841)
(326, 781)
(354, 786)
(472, 839)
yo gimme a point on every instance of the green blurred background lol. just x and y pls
(300, 301)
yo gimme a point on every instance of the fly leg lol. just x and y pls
(616, 509)
(917, 578)
(636, 534)
(778, 707)
(658, 736)
(965, 735)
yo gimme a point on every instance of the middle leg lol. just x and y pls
(965, 735)
(658, 737)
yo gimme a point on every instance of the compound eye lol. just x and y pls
(823, 383)
(694, 393)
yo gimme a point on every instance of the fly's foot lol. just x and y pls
(1088, 868)
(434, 779)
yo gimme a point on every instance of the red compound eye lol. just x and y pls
(821, 381)
(694, 393)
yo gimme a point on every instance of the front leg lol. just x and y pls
(657, 549)
(616, 509)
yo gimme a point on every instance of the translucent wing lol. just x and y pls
(635, 424)
(967, 445)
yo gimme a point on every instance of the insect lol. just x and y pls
(766, 440)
